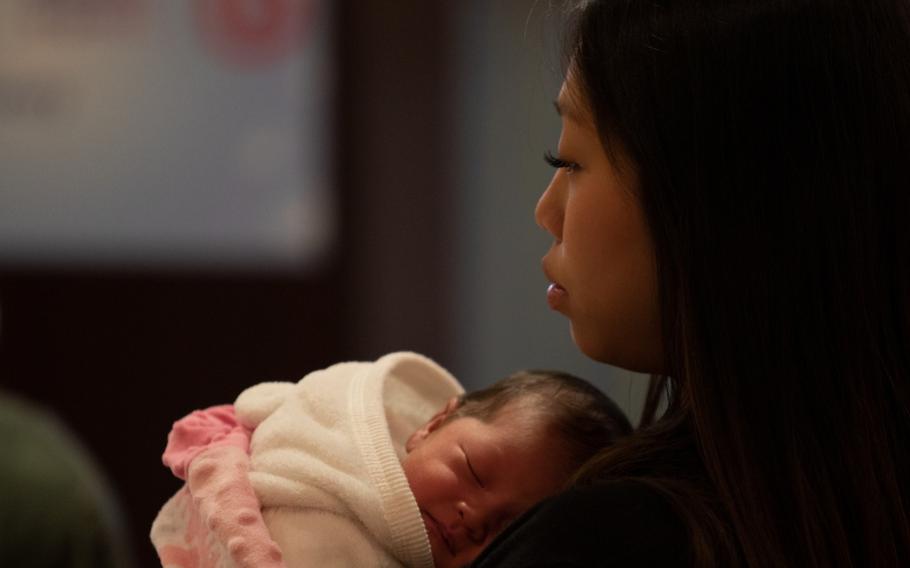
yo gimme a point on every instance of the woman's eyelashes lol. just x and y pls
(559, 163)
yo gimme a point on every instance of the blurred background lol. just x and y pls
(196, 196)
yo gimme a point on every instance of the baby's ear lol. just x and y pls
(424, 431)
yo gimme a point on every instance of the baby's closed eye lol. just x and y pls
(471, 468)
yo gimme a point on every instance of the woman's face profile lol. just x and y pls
(601, 263)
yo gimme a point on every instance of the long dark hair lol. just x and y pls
(772, 144)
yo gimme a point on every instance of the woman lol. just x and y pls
(730, 213)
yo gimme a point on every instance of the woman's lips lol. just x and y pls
(556, 295)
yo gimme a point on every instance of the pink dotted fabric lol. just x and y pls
(201, 430)
(215, 521)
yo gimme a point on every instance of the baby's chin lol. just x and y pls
(441, 556)
(438, 555)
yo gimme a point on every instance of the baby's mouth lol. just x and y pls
(440, 531)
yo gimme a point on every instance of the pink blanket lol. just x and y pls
(215, 520)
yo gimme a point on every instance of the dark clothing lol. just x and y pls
(613, 523)
(56, 508)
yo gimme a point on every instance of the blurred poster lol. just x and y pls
(140, 132)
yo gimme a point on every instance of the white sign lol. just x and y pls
(141, 132)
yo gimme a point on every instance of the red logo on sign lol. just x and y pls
(253, 33)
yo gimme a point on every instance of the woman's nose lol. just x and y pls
(549, 211)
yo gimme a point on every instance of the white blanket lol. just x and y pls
(326, 460)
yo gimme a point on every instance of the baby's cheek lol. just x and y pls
(417, 482)
(432, 481)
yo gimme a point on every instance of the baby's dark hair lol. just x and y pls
(578, 413)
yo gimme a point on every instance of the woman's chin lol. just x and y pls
(592, 349)
(596, 348)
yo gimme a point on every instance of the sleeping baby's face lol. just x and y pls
(472, 478)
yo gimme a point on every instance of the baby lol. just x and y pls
(375, 464)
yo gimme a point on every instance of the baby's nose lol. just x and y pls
(473, 523)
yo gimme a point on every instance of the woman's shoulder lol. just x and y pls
(625, 523)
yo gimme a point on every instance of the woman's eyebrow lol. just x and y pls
(566, 111)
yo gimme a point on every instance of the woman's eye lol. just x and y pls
(559, 163)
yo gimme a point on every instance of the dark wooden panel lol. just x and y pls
(398, 88)
(120, 357)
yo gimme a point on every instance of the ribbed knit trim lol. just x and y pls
(409, 540)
